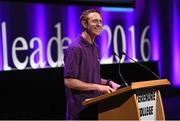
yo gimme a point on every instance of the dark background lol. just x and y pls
(32, 94)
(40, 94)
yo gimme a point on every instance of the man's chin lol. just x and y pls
(97, 34)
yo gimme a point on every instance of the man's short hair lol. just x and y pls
(84, 15)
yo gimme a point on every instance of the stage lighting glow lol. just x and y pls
(40, 30)
(175, 46)
(155, 37)
(1, 53)
(117, 9)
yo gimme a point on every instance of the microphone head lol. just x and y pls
(123, 53)
(114, 53)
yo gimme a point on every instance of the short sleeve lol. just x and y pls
(72, 62)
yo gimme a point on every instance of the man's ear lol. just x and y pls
(84, 24)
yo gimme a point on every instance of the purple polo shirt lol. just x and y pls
(81, 62)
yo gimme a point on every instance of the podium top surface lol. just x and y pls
(133, 86)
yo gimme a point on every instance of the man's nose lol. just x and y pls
(99, 24)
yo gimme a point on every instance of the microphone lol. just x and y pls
(123, 53)
(119, 72)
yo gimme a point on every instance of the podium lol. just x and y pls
(139, 101)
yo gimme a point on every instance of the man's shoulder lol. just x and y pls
(75, 46)
(76, 43)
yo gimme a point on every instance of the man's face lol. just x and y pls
(94, 24)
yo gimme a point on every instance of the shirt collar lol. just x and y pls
(85, 42)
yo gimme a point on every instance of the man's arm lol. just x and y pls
(83, 86)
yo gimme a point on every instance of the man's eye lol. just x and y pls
(94, 21)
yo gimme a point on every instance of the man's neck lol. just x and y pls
(87, 37)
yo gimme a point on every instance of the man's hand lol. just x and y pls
(114, 85)
(104, 89)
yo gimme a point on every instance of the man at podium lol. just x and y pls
(82, 66)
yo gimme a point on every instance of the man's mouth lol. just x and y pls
(98, 29)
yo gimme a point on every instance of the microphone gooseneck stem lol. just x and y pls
(141, 65)
(119, 72)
